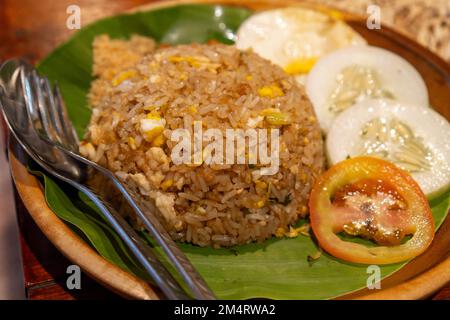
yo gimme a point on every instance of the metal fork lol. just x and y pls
(50, 119)
(73, 172)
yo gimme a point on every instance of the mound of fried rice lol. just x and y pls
(207, 205)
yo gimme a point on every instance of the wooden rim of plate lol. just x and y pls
(418, 279)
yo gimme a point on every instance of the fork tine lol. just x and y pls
(46, 109)
(51, 111)
(31, 99)
(70, 133)
(46, 126)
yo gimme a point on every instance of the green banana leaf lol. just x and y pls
(277, 268)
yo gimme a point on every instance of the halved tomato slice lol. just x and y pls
(373, 199)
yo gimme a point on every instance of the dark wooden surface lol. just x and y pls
(31, 29)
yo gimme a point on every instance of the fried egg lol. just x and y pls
(295, 38)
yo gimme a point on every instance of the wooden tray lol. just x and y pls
(418, 279)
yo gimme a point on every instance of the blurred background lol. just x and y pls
(32, 28)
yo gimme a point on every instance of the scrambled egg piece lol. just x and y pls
(166, 184)
(87, 150)
(152, 126)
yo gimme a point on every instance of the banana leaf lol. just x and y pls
(276, 268)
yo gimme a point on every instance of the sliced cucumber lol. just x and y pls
(414, 138)
(348, 76)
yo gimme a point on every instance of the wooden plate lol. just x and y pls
(418, 279)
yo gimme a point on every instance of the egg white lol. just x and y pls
(291, 34)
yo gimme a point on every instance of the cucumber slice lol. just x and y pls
(416, 139)
(350, 75)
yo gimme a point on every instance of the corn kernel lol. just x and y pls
(249, 77)
(305, 140)
(200, 210)
(122, 77)
(192, 109)
(336, 15)
(149, 108)
(191, 60)
(150, 135)
(270, 111)
(312, 119)
(183, 76)
(260, 204)
(261, 185)
(270, 91)
(159, 141)
(132, 143)
(166, 184)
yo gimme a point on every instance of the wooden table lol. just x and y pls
(31, 29)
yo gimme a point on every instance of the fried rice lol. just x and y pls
(204, 204)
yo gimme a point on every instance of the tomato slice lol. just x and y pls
(373, 199)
